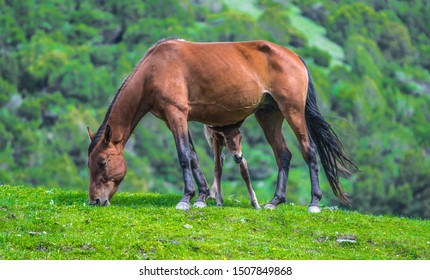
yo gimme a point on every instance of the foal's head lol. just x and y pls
(107, 166)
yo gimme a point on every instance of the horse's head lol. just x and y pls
(107, 166)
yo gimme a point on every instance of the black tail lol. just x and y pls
(329, 146)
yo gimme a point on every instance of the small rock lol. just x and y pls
(346, 238)
(188, 226)
(36, 233)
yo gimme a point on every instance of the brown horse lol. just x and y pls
(218, 84)
(228, 136)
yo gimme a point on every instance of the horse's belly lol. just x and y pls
(224, 110)
(225, 94)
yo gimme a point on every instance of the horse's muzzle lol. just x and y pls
(99, 202)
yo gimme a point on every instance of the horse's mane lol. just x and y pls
(102, 127)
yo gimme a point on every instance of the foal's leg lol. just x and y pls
(235, 149)
(211, 139)
(217, 173)
(177, 123)
(199, 177)
(270, 120)
(216, 142)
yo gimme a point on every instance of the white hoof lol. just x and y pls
(199, 204)
(314, 209)
(183, 206)
(269, 206)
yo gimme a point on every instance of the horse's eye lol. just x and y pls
(103, 163)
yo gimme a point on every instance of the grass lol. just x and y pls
(41, 223)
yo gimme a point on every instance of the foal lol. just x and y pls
(229, 136)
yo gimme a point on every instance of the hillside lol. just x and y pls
(62, 61)
(50, 223)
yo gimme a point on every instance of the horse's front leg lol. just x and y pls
(177, 123)
(271, 123)
(199, 177)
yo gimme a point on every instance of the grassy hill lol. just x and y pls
(62, 61)
(45, 223)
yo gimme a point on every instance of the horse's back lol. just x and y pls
(220, 59)
(224, 81)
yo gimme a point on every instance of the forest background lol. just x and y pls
(61, 63)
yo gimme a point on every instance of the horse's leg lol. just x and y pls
(245, 175)
(211, 139)
(177, 123)
(309, 152)
(216, 142)
(316, 193)
(293, 112)
(235, 149)
(198, 176)
(270, 120)
(216, 187)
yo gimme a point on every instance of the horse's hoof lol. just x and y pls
(314, 209)
(212, 194)
(183, 206)
(270, 206)
(199, 204)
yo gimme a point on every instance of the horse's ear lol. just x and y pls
(90, 134)
(108, 134)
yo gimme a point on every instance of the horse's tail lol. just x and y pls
(329, 147)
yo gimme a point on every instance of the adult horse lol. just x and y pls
(218, 84)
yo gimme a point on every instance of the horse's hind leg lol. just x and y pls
(198, 176)
(316, 193)
(296, 119)
(235, 149)
(270, 120)
(309, 153)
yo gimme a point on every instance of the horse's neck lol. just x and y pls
(127, 110)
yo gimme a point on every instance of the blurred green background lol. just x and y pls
(61, 63)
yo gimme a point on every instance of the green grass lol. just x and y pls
(41, 223)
